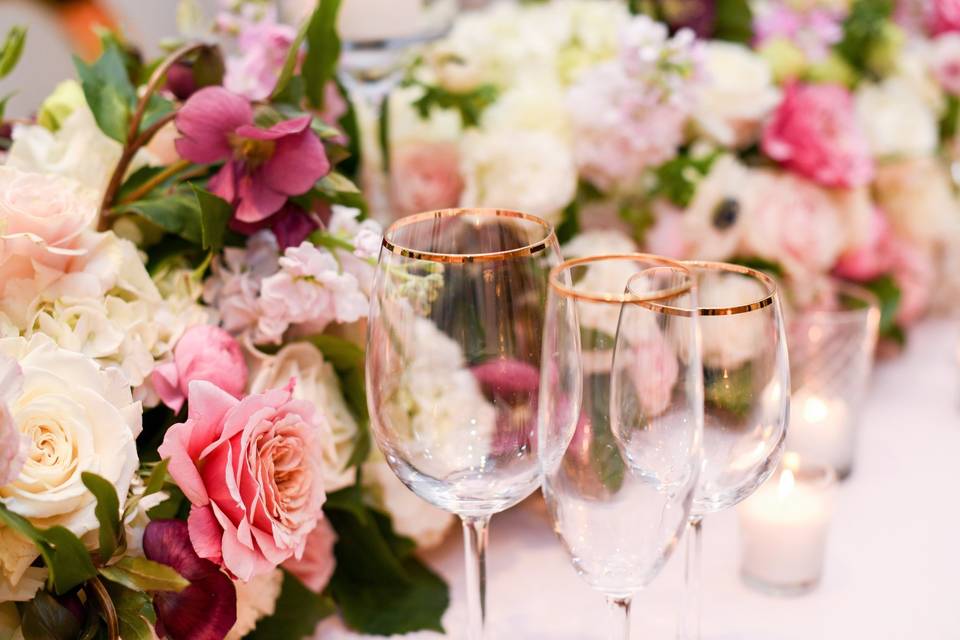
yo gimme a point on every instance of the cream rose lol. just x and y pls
(76, 417)
(317, 383)
(884, 108)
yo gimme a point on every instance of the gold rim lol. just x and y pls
(459, 258)
(770, 283)
(611, 298)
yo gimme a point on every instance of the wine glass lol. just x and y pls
(376, 37)
(746, 380)
(453, 364)
(619, 490)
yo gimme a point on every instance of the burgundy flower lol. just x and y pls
(207, 609)
(291, 225)
(262, 167)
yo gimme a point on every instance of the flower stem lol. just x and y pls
(158, 179)
(99, 592)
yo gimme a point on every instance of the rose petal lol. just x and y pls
(166, 384)
(205, 122)
(205, 533)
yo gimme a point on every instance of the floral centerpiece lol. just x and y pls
(812, 138)
(184, 275)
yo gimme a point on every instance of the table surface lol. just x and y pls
(892, 561)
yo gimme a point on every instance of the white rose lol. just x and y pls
(917, 194)
(79, 150)
(256, 599)
(76, 417)
(530, 107)
(530, 171)
(318, 384)
(884, 108)
(735, 96)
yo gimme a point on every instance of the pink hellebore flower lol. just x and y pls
(263, 167)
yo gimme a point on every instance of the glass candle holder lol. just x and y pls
(831, 357)
(784, 526)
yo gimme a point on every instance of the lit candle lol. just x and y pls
(784, 526)
(820, 429)
(369, 20)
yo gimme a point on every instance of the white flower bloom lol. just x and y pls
(729, 341)
(531, 171)
(317, 383)
(884, 107)
(917, 195)
(530, 107)
(735, 95)
(256, 599)
(77, 417)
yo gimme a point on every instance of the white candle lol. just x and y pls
(366, 20)
(820, 430)
(784, 527)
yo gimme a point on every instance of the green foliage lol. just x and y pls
(347, 360)
(733, 21)
(570, 223)
(44, 618)
(888, 293)
(177, 212)
(336, 188)
(108, 90)
(296, 615)
(677, 180)
(215, 213)
(951, 118)
(141, 574)
(323, 51)
(12, 49)
(134, 611)
(864, 29)
(208, 67)
(379, 584)
(68, 562)
(3, 105)
(469, 104)
(107, 512)
(774, 269)
(728, 390)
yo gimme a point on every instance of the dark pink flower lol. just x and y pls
(207, 609)
(943, 16)
(262, 167)
(291, 225)
(815, 133)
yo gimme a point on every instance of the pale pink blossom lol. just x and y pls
(946, 62)
(316, 566)
(871, 258)
(814, 31)
(250, 469)
(666, 236)
(915, 273)
(203, 353)
(655, 371)
(815, 133)
(943, 16)
(12, 450)
(425, 176)
(262, 47)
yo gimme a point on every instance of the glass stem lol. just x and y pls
(619, 617)
(475, 532)
(690, 622)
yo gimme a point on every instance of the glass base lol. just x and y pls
(782, 590)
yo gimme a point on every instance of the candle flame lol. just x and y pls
(815, 410)
(787, 482)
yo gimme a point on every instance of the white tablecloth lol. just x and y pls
(893, 565)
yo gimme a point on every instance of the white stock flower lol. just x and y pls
(317, 383)
(884, 108)
(530, 171)
(76, 417)
(735, 95)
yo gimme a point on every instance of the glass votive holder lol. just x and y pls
(831, 356)
(784, 526)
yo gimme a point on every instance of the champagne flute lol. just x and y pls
(746, 379)
(453, 365)
(619, 490)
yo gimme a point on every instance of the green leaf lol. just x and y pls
(734, 21)
(863, 30)
(107, 512)
(323, 51)
(157, 478)
(770, 267)
(46, 619)
(177, 212)
(141, 574)
(134, 610)
(289, 63)
(339, 189)
(380, 586)
(215, 213)
(677, 179)
(108, 91)
(157, 107)
(67, 560)
(469, 104)
(888, 294)
(12, 49)
(349, 499)
(3, 103)
(570, 226)
(297, 613)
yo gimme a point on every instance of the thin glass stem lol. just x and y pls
(690, 622)
(619, 617)
(475, 532)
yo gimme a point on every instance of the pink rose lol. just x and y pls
(815, 133)
(42, 220)
(872, 258)
(943, 16)
(250, 468)
(316, 566)
(425, 176)
(203, 353)
(11, 442)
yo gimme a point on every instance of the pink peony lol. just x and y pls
(250, 468)
(42, 223)
(943, 16)
(815, 133)
(203, 353)
(262, 166)
(316, 566)
(11, 442)
(871, 259)
(425, 176)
